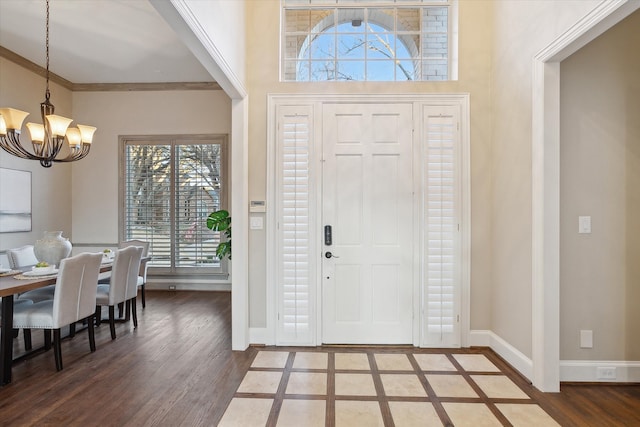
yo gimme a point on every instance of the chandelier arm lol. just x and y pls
(76, 154)
(11, 144)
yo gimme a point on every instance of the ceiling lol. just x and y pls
(99, 41)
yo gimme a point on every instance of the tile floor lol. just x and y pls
(378, 387)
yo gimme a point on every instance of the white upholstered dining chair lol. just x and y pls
(25, 256)
(142, 274)
(122, 284)
(74, 300)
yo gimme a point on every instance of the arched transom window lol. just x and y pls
(394, 40)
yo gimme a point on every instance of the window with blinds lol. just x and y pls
(170, 186)
(295, 243)
(441, 207)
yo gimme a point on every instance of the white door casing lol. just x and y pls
(367, 200)
(295, 308)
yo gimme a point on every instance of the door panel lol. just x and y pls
(368, 199)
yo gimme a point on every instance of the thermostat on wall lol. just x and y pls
(257, 206)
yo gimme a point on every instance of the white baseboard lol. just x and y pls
(588, 371)
(172, 286)
(513, 356)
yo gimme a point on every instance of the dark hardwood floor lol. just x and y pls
(177, 369)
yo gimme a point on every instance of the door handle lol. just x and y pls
(330, 255)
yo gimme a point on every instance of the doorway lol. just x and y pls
(368, 230)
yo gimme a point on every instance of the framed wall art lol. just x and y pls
(15, 200)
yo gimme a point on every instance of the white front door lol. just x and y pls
(367, 200)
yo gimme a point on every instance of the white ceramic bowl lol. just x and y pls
(43, 270)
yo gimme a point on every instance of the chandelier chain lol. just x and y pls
(47, 95)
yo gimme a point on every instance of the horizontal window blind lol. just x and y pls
(295, 275)
(441, 234)
(170, 188)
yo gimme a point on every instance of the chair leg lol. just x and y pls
(144, 303)
(112, 321)
(127, 310)
(57, 349)
(92, 335)
(27, 339)
(134, 312)
(120, 308)
(72, 330)
(47, 339)
(98, 315)
(15, 333)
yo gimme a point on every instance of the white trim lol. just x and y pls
(172, 285)
(240, 215)
(513, 356)
(586, 371)
(315, 100)
(546, 185)
(184, 22)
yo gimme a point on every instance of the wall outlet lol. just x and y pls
(172, 287)
(605, 373)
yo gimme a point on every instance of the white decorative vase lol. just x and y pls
(52, 248)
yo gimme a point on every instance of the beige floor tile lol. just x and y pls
(310, 360)
(355, 385)
(296, 413)
(351, 413)
(358, 361)
(450, 386)
(471, 415)
(524, 415)
(475, 363)
(393, 362)
(414, 414)
(434, 362)
(270, 359)
(243, 412)
(499, 387)
(402, 385)
(260, 382)
(307, 383)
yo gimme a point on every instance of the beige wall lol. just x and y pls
(600, 177)
(50, 194)
(263, 17)
(521, 29)
(95, 183)
(81, 198)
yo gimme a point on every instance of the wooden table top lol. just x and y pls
(9, 285)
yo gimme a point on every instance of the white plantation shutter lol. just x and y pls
(295, 275)
(441, 219)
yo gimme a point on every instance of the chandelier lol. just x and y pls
(47, 139)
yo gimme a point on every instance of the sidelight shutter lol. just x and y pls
(441, 219)
(295, 275)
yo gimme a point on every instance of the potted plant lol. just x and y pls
(221, 221)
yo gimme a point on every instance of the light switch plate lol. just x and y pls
(584, 224)
(586, 339)
(256, 223)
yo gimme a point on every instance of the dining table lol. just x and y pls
(9, 287)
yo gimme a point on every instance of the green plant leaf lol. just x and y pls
(221, 221)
